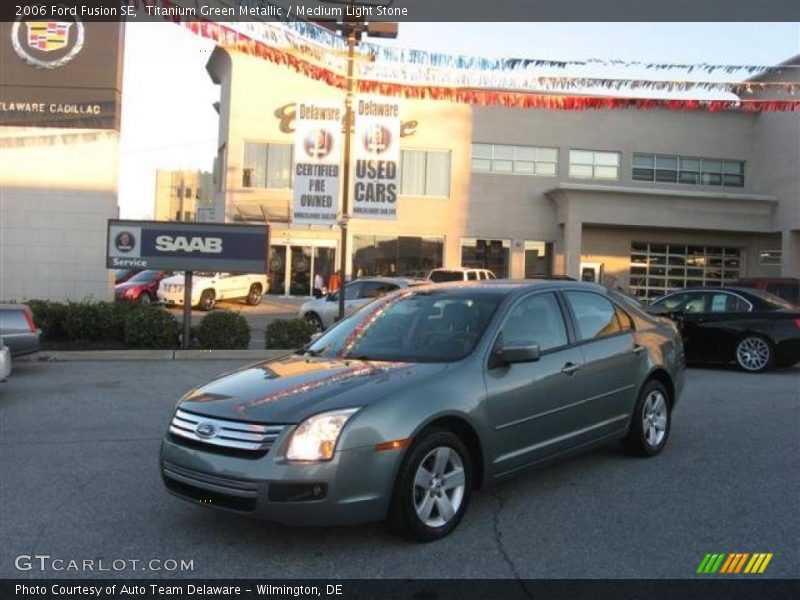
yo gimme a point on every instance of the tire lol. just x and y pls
(423, 506)
(651, 423)
(145, 298)
(314, 320)
(754, 353)
(207, 300)
(254, 295)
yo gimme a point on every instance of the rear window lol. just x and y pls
(772, 301)
(13, 319)
(440, 276)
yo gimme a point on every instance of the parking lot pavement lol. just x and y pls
(258, 317)
(79, 462)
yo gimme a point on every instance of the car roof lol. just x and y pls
(507, 287)
(406, 280)
(12, 305)
(459, 269)
(705, 288)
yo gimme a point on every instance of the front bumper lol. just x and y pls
(354, 487)
(174, 298)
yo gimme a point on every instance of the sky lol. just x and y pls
(168, 119)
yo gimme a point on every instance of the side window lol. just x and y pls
(672, 302)
(536, 319)
(375, 289)
(595, 314)
(351, 291)
(472, 275)
(721, 302)
(625, 321)
(695, 302)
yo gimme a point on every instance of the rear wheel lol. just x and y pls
(651, 422)
(754, 353)
(433, 487)
(207, 300)
(255, 295)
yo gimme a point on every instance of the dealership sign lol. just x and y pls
(187, 246)
(317, 151)
(377, 156)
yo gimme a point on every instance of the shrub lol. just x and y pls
(49, 317)
(151, 327)
(96, 321)
(223, 329)
(288, 333)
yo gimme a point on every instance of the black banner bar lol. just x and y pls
(398, 589)
(408, 10)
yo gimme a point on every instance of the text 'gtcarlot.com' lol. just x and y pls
(45, 562)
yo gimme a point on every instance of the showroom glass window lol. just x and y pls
(425, 173)
(404, 256)
(267, 166)
(657, 268)
(514, 160)
(591, 164)
(690, 170)
(486, 254)
(538, 259)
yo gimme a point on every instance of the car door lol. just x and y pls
(692, 305)
(613, 363)
(534, 407)
(717, 327)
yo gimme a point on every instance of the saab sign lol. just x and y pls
(176, 246)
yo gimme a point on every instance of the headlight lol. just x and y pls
(315, 438)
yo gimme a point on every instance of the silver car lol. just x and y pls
(404, 408)
(323, 312)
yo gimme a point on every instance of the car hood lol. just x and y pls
(179, 279)
(290, 388)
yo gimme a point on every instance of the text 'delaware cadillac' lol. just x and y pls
(404, 408)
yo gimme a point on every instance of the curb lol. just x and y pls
(141, 355)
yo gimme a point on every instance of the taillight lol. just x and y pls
(797, 323)
(29, 319)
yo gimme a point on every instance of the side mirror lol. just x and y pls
(519, 352)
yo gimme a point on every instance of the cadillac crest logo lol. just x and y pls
(47, 44)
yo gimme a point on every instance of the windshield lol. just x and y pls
(426, 326)
(144, 277)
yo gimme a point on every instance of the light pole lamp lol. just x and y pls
(352, 28)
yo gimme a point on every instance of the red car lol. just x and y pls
(141, 288)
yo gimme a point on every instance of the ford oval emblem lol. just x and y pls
(206, 430)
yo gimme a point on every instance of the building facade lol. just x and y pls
(183, 195)
(647, 200)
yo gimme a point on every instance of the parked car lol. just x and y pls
(400, 410)
(208, 288)
(18, 330)
(5, 361)
(787, 288)
(324, 312)
(122, 275)
(141, 288)
(460, 274)
(752, 328)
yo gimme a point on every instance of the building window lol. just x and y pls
(587, 164)
(486, 254)
(682, 169)
(658, 268)
(425, 173)
(770, 257)
(267, 166)
(514, 160)
(538, 259)
(391, 255)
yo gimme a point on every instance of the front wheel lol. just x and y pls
(651, 422)
(207, 300)
(315, 322)
(433, 487)
(754, 353)
(145, 298)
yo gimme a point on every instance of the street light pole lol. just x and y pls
(352, 32)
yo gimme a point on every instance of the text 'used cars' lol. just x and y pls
(405, 407)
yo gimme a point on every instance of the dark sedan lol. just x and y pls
(402, 408)
(141, 288)
(752, 328)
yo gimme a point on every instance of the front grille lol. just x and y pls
(223, 435)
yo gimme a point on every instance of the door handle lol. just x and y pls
(637, 349)
(570, 368)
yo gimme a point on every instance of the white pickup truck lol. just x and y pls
(207, 288)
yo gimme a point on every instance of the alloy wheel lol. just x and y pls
(654, 418)
(439, 486)
(753, 353)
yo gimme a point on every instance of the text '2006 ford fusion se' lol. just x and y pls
(405, 407)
